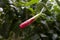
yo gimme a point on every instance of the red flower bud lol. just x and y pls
(26, 23)
(29, 21)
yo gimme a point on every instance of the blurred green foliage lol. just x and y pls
(14, 12)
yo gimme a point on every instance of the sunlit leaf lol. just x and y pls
(31, 2)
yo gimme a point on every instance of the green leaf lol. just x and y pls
(31, 2)
(57, 9)
(33, 12)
